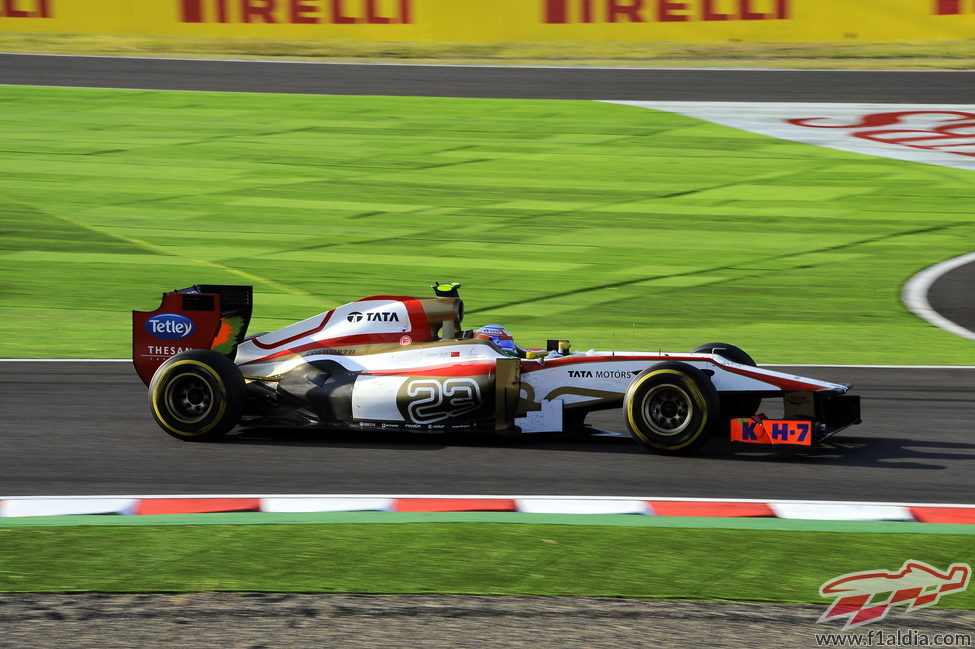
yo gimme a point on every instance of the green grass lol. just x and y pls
(473, 558)
(848, 55)
(614, 226)
(610, 225)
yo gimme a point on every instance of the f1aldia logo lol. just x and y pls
(170, 326)
(865, 597)
(373, 316)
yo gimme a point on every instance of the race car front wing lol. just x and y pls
(808, 419)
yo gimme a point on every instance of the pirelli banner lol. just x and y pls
(486, 21)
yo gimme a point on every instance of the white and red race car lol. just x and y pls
(406, 364)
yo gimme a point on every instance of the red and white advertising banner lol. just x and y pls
(937, 134)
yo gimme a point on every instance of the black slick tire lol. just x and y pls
(733, 405)
(671, 408)
(197, 395)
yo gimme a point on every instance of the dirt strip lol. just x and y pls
(272, 620)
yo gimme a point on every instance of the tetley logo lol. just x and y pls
(170, 326)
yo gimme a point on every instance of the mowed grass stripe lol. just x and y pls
(614, 226)
(473, 558)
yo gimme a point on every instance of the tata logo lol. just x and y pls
(373, 316)
(601, 374)
(170, 326)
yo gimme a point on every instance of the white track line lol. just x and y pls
(65, 360)
(915, 295)
(875, 367)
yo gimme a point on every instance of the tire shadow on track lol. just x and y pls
(874, 452)
(842, 451)
(429, 441)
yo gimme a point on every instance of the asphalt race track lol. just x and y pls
(469, 81)
(83, 428)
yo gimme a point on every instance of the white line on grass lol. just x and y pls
(915, 295)
(65, 360)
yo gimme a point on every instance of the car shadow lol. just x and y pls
(855, 451)
(408, 441)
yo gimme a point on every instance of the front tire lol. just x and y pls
(197, 395)
(733, 405)
(671, 408)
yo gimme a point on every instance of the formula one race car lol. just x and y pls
(406, 364)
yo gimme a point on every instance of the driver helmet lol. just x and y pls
(499, 336)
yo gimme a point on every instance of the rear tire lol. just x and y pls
(733, 405)
(197, 395)
(671, 408)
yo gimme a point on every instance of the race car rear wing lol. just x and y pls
(204, 316)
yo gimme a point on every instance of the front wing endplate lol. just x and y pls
(777, 432)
